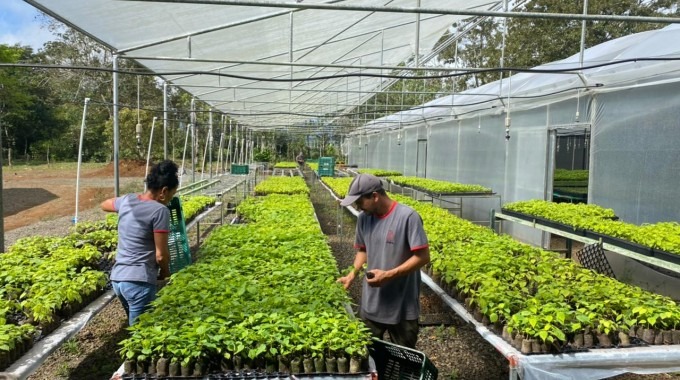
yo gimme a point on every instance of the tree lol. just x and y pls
(534, 41)
(27, 110)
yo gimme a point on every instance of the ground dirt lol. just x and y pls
(42, 193)
(452, 345)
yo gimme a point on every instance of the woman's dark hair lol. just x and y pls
(163, 174)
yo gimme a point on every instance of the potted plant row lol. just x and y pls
(380, 172)
(44, 280)
(658, 239)
(193, 205)
(536, 300)
(282, 185)
(262, 298)
(438, 187)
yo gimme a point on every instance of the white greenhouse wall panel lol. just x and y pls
(634, 148)
(443, 148)
(635, 153)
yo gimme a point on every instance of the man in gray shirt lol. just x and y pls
(391, 241)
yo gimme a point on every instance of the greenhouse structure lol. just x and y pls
(627, 105)
(307, 67)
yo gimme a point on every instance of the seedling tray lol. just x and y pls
(625, 244)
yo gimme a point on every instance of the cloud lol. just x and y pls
(19, 24)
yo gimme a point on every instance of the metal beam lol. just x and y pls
(440, 11)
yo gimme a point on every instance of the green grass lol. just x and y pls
(19, 166)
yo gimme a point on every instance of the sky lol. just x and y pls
(19, 24)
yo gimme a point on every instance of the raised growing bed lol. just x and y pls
(601, 223)
(534, 299)
(46, 280)
(262, 299)
(439, 188)
(625, 244)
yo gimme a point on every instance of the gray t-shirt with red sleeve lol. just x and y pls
(390, 240)
(138, 219)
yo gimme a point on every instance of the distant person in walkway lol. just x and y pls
(300, 159)
(391, 241)
(143, 226)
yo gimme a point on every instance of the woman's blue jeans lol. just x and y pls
(136, 296)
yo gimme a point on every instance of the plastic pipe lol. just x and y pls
(184, 154)
(148, 153)
(80, 158)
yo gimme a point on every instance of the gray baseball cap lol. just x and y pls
(361, 184)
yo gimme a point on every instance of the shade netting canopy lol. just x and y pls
(237, 59)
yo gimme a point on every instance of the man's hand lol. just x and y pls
(377, 278)
(347, 280)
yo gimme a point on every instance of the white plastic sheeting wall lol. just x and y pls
(632, 110)
(635, 153)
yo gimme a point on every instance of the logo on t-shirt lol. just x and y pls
(390, 237)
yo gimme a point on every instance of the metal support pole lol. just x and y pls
(583, 33)
(417, 47)
(80, 158)
(290, 59)
(568, 246)
(230, 152)
(116, 128)
(210, 142)
(193, 140)
(165, 120)
(198, 233)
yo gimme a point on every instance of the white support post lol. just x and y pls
(80, 158)
(148, 153)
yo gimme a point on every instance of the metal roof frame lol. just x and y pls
(268, 57)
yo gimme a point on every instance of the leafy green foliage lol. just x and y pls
(192, 205)
(282, 185)
(570, 175)
(339, 185)
(664, 235)
(534, 292)
(438, 187)
(286, 165)
(380, 172)
(262, 289)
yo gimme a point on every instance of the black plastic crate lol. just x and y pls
(394, 362)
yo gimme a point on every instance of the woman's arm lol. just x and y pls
(162, 253)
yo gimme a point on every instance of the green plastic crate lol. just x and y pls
(394, 362)
(239, 169)
(178, 242)
(326, 167)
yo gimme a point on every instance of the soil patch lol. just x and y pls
(126, 168)
(36, 194)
